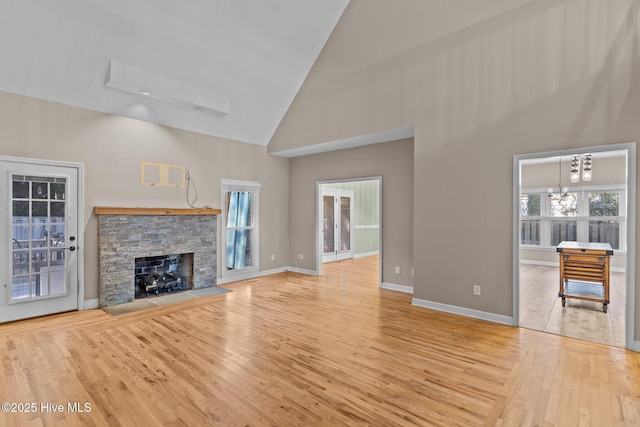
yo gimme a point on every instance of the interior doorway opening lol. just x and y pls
(555, 201)
(337, 224)
(349, 223)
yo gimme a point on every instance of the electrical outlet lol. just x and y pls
(412, 271)
(273, 257)
(476, 289)
(397, 269)
(300, 256)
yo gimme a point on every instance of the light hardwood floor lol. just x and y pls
(295, 350)
(542, 310)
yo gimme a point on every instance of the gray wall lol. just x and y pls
(394, 162)
(544, 76)
(112, 148)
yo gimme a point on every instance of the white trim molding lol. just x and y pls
(399, 288)
(303, 271)
(462, 311)
(255, 274)
(91, 304)
(366, 254)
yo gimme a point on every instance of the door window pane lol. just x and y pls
(57, 209)
(39, 190)
(20, 210)
(328, 224)
(39, 210)
(58, 191)
(20, 190)
(345, 223)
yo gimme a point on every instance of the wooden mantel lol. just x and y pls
(102, 210)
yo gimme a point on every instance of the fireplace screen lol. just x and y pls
(163, 274)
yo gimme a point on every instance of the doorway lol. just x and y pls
(337, 218)
(353, 209)
(39, 239)
(555, 201)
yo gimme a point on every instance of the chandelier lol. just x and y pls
(561, 192)
(586, 168)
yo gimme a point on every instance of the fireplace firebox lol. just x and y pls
(155, 275)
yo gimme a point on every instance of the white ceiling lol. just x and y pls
(257, 53)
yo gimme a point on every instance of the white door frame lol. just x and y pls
(79, 252)
(630, 148)
(318, 233)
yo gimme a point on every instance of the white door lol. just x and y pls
(337, 232)
(38, 239)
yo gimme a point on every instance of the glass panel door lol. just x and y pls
(337, 214)
(345, 223)
(328, 227)
(38, 236)
(346, 214)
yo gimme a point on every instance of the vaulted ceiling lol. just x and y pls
(227, 68)
(250, 55)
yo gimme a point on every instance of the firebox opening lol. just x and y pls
(156, 275)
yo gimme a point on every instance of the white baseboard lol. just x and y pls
(254, 274)
(366, 254)
(249, 275)
(467, 312)
(394, 287)
(91, 304)
(303, 271)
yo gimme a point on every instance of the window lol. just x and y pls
(584, 215)
(606, 228)
(240, 226)
(530, 223)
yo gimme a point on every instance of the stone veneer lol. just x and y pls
(123, 238)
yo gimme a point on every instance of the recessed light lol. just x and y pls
(144, 92)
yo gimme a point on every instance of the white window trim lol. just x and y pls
(248, 186)
(582, 216)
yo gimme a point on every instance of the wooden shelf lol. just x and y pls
(102, 210)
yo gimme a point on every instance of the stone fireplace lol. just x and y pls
(127, 234)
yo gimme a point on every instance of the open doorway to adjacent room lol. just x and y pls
(585, 196)
(349, 226)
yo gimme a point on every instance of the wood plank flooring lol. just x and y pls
(295, 350)
(542, 310)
